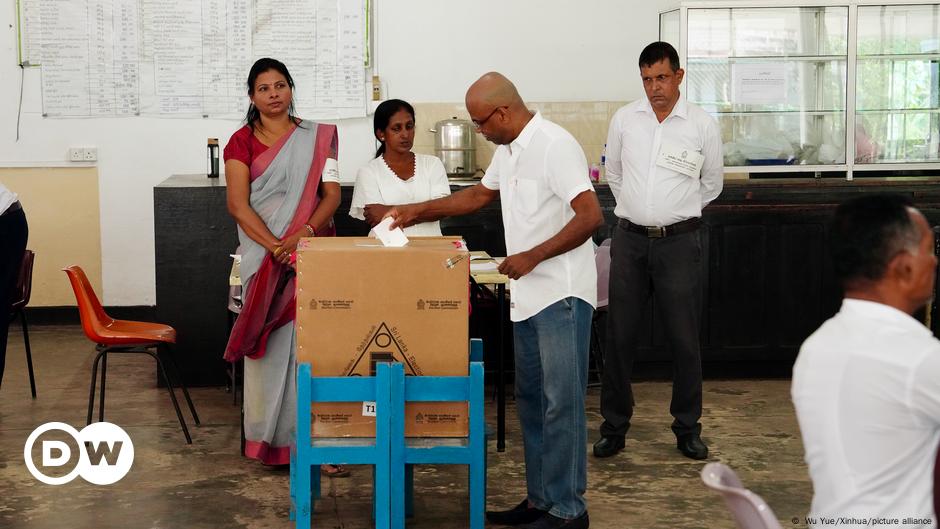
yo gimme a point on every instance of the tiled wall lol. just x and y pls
(586, 121)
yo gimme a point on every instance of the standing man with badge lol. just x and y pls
(664, 165)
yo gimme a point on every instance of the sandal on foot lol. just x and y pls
(334, 471)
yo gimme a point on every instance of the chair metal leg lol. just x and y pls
(29, 354)
(104, 372)
(182, 383)
(232, 374)
(242, 414)
(169, 388)
(94, 380)
(596, 353)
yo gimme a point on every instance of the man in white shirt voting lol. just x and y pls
(549, 209)
(664, 165)
(865, 384)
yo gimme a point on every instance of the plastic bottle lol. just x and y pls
(603, 171)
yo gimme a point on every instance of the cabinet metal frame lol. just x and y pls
(850, 166)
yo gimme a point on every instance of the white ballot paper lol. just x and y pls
(389, 237)
(483, 267)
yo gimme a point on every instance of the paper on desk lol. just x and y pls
(483, 267)
(389, 237)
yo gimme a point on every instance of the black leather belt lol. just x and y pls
(658, 232)
(16, 206)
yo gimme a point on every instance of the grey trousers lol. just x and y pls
(670, 270)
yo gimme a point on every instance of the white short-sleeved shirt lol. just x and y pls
(866, 388)
(376, 183)
(7, 198)
(537, 176)
(647, 193)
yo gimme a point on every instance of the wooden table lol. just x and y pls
(499, 281)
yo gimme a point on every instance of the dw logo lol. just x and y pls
(105, 454)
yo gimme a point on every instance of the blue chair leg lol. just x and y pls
(477, 494)
(390, 381)
(304, 506)
(396, 453)
(477, 448)
(303, 448)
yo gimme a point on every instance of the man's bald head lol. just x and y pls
(492, 90)
(496, 108)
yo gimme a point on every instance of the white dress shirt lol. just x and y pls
(376, 183)
(537, 176)
(7, 198)
(649, 194)
(866, 387)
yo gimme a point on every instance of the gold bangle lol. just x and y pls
(277, 249)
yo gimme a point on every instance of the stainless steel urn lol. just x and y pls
(455, 145)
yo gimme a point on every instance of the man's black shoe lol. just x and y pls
(608, 445)
(553, 522)
(691, 446)
(518, 515)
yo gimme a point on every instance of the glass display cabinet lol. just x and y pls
(830, 88)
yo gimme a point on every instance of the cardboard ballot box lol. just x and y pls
(359, 303)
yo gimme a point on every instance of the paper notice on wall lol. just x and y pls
(186, 58)
(759, 83)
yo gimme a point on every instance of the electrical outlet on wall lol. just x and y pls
(83, 154)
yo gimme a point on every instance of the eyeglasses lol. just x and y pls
(479, 124)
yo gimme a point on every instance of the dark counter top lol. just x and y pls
(192, 180)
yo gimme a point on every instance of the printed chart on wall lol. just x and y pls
(190, 58)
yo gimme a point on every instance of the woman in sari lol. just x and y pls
(282, 184)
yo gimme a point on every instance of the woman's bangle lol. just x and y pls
(277, 249)
(310, 230)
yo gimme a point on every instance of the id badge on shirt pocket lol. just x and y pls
(680, 159)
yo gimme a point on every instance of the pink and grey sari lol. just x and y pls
(284, 181)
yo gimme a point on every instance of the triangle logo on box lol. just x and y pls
(382, 347)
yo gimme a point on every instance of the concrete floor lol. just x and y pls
(748, 424)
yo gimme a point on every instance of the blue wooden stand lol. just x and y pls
(390, 452)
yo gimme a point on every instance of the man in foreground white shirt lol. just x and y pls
(866, 384)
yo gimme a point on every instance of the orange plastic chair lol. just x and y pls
(24, 288)
(122, 336)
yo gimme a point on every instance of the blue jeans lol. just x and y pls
(551, 352)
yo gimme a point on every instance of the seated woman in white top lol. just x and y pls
(397, 175)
